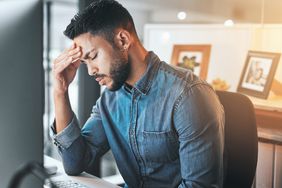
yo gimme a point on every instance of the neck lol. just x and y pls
(138, 65)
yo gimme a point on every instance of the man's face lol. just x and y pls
(258, 73)
(108, 64)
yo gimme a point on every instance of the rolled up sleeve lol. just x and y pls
(80, 148)
(67, 136)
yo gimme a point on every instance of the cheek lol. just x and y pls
(104, 62)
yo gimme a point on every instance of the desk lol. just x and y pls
(84, 178)
(269, 119)
(269, 123)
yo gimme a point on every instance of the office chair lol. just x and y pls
(241, 142)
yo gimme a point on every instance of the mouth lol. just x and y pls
(101, 80)
(98, 79)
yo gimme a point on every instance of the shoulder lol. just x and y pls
(183, 75)
(180, 79)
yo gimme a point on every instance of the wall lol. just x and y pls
(229, 45)
(269, 38)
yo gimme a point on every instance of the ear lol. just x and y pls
(123, 39)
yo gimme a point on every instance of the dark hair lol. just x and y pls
(101, 17)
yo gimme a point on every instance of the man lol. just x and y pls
(163, 125)
(255, 75)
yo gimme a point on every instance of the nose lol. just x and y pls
(91, 71)
(91, 68)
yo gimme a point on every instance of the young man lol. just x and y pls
(164, 125)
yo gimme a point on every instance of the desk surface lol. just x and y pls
(84, 178)
(273, 103)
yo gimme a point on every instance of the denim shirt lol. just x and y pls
(165, 131)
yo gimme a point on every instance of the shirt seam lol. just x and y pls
(185, 91)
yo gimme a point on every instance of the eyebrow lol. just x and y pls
(87, 54)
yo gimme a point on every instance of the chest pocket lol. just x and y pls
(160, 146)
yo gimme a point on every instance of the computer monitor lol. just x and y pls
(21, 88)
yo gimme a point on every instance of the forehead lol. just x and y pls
(88, 41)
(85, 41)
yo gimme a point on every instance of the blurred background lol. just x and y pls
(232, 27)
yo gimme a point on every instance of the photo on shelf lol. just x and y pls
(257, 75)
(192, 57)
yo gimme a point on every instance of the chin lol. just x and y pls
(114, 87)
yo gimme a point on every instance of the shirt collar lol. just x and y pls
(144, 84)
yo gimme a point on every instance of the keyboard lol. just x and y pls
(66, 184)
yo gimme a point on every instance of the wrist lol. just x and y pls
(60, 92)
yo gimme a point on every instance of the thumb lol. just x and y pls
(76, 63)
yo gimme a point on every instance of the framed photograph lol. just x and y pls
(192, 57)
(257, 75)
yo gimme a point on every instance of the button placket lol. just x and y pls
(57, 143)
(132, 132)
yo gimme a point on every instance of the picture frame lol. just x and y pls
(194, 57)
(258, 72)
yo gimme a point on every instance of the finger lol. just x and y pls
(72, 58)
(74, 51)
(76, 63)
(69, 52)
(60, 58)
(59, 67)
(76, 56)
(66, 62)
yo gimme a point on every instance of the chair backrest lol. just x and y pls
(241, 142)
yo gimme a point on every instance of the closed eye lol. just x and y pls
(94, 56)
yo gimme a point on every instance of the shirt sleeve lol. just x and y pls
(68, 135)
(199, 122)
(80, 148)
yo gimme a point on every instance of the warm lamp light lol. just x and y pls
(181, 15)
(228, 23)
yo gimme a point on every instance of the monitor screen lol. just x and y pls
(21, 87)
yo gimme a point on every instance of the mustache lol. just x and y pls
(97, 75)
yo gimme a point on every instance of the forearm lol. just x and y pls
(74, 158)
(63, 111)
(80, 148)
(79, 157)
(72, 148)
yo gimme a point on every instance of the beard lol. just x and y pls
(119, 70)
(119, 73)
